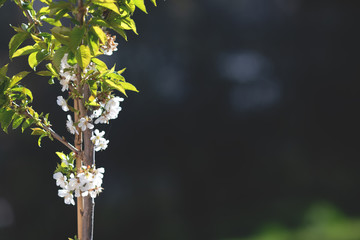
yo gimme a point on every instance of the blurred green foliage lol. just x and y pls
(322, 221)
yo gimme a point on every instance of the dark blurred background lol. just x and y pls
(247, 120)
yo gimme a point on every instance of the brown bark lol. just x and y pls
(85, 204)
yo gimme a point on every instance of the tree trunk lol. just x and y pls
(85, 205)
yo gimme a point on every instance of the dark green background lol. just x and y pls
(248, 113)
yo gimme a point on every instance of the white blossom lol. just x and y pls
(66, 73)
(62, 103)
(60, 179)
(99, 142)
(70, 125)
(97, 137)
(102, 145)
(96, 113)
(84, 123)
(85, 183)
(67, 195)
(102, 119)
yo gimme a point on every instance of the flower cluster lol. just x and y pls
(86, 182)
(110, 46)
(67, 73)
(99, 142)
(109, 110)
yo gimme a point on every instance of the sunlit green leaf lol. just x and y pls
(154, 2)
(16, 41)
(27, 123)
(100, 33)
(17, 121)
(52, 21)
(24, 91)
(24, 51)
(62, 34)
(128, 86)
(109, 4)
(93, 41)
(83, 56)
(140, 4)
(44, 73)
(16, 78)
(36, 57)
(116, 86)
(100, 65)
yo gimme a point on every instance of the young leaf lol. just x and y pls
(16, 78)
(6, 117)
(100, 65)
(115, 85)
(3, 70)
(83, 56)
(100, 33)
(93, 41)
(24, 91)
(44, 73)
(128, 86)
(36, 57)
(17, 121)
(109, 4)
(16, 41)
(154, 2)
(140, 4)
(27, 123)
(61, 155)
(24, 51)
(62, 34)
(52, 21)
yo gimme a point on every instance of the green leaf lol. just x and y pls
(140, 4)
(128, 86)
(25, 91)
(52, 21)
(62, 34)
(6, 117)
(116, 86)
(100, 33)
(24, 51)
(16, 41)
(16, 78)
(41, 137)
(4, 70)
(36, 57)
(76, 36)
(44, 73)
(37, 131)
(109, 4)
(100, 65)
(17, 121)
(27, 123)
(61, 155)
(51, 68)
(154, 2)
(93, 41)
(83, 56)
